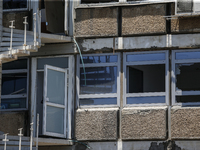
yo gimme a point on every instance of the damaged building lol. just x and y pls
(100, 74)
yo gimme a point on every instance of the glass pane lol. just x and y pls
(98, 80)
(17, 64)
(145, 100)
(98, 1)
(14, 4)
(188, 98)
(55, 120)
(56, 86)
(145, 57)
(61, 62)
(187, 55)
(99, 59)
(13, 103)
(146, 78)
(187, 77)
(184, 6)
(14, 83)
(98, 101)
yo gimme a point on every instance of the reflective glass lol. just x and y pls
(56, 86)
(145, 57)
(98, 80)
(14, 83)
(99, 59)
(145, 100)
(13, 103)
(61, 62)
(17, 64)
(55, 120)
(98, 101)
(187, 55)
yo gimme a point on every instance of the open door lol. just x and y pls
(55, 101)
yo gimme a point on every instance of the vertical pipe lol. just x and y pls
(37, 131)
(20, 137)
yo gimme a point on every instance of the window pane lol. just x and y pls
(184, 6)
(99, 59)
(145, 100)
(187, 77)
(55, 120)
(17, 64)
(56, 86)
(146, 78)
(145, 57)
(61, 62)
(187, 55)
(188, 98)
(14, 4)
(98, 80)
(14, 83)
(98, 1)
(13, 103)
(98, 101)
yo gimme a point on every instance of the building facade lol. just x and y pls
(102, 74)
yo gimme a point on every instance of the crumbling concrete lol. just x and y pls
(185, 123)
(96, 124)
(96, 22)
(144, 123)
(11, 122)
(143, 19)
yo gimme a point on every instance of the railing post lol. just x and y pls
(5, 140)
(11, 34)
(34, 19)
(39, 25)
(25, 23)
(37, 131)
(31, 138)
(20, 137)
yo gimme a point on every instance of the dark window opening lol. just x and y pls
(188, 98)
(98, 1)
(146, 78)
(14, 4)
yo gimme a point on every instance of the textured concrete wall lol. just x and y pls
(11, 122)
(147, 123)
(184, 24)
(18, 17)
(143, 19)
(96, 22)
(185, 123)
(96, 124)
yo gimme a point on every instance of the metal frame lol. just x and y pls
(70, 95)
(12, 71)
(173, 78)
(108, 95)
(146, 94)
(18, 9)
(46, 103)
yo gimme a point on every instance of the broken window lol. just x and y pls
(98, 80)
(146, 78)
(14, 85)
(15, 4)
(186, 69)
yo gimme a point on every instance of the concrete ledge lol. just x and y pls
(144, 123)
(96, 124)
(185, 123)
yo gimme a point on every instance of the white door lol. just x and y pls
(55, 101)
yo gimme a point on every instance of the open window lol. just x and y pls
(98, 80)
(14, 90)
(53, 98)
(185, 77)
(146, 78)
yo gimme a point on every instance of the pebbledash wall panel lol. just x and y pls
(143, 19)
(185, 123)
(96, 22)
(96, 124)
(144, 124)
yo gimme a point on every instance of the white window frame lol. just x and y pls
(173, 78)
(17, 9)
(11, 71)
(70, 96)
(108, 95)
(146, 94)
